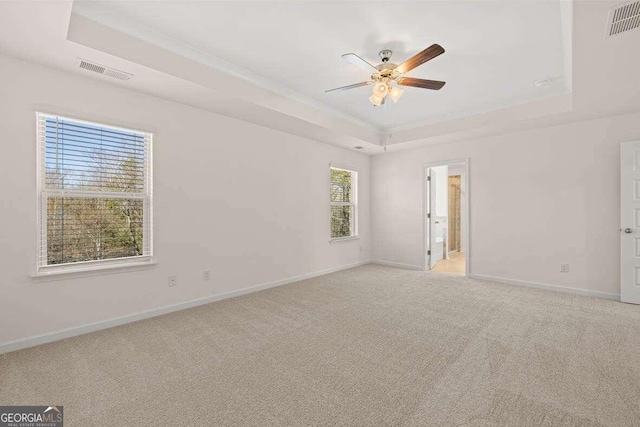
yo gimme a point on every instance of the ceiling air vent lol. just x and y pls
(101, 69)
(624, 17)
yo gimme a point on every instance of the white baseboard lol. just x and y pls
(105, 324)
(399, 265)
(558, 288)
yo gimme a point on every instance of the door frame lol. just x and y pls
(425, 210)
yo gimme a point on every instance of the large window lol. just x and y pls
(344, 203)
(95, 195)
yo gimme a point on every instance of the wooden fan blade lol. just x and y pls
(419, 59)
(359, 62)
(349, 87)
(425, 84)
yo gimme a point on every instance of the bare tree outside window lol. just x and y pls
(95, 194)
(343, 203)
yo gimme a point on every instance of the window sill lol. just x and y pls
(96, 270)
(343, 239)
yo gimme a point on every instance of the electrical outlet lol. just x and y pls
(173, 280)
(206, 275)
(564, 268)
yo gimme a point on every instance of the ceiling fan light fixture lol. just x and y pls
(395, 93)
(376, 100)
(386, 77)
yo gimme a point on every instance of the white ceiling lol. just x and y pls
(601, 72)
(495, 50)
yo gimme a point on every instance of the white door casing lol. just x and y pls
(432, 219)
(630, 222)
(427, 221)
(426, 206)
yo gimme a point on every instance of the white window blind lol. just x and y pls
(95, 194)
(344, 203)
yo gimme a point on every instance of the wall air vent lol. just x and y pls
(101, 69)
(624, 17)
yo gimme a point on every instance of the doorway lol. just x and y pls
(446, 218)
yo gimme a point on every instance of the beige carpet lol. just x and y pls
(369, 346)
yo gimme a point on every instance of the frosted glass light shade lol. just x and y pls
(380, 90)
(375, 100)
(395, 93)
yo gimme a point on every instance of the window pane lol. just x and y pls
(341, 221)
(341, 185)
(81, 156)
(87, 229)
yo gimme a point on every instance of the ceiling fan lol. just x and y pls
(383, 75)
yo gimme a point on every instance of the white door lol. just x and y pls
(630, 222)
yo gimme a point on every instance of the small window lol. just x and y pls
(344, 203)
(94, 188)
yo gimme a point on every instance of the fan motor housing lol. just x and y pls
(386, 66)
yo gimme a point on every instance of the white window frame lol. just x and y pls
(353, 204)
(42, 269)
